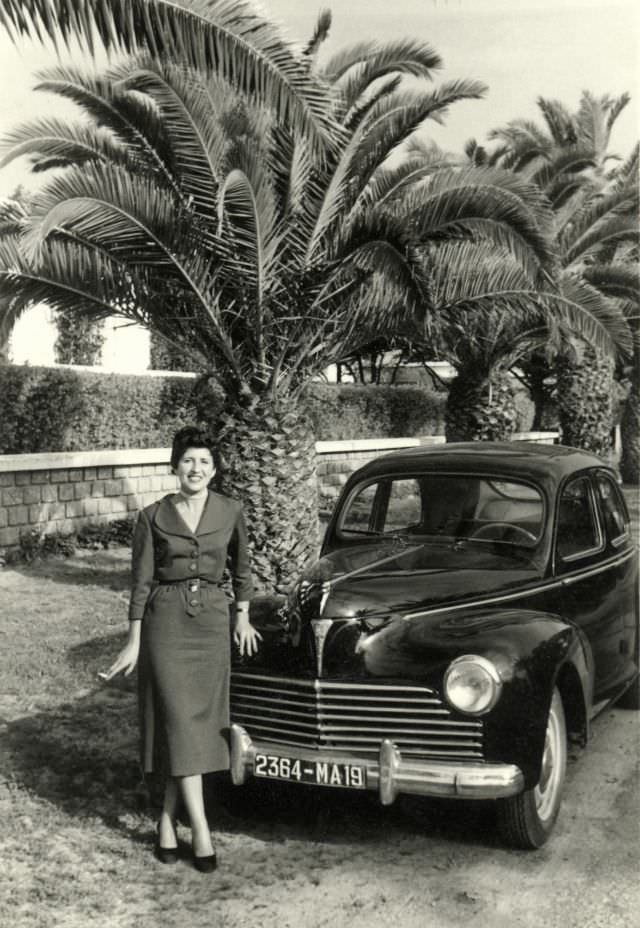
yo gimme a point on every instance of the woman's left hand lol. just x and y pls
(245, 635)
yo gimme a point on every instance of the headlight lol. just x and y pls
(472, 684)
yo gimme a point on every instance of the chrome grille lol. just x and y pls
(352, 718)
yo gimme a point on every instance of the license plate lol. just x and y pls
(317, 772)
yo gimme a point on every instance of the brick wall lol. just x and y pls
(64, 492)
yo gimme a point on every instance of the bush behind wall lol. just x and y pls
(46, 409)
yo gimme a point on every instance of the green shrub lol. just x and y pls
(357, 411)
(56, 409)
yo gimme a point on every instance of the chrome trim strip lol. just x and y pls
(528, 591)
(331, 685)
(390, 773)
(587, 572)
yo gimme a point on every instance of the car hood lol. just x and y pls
(375, 580)
(382, 610)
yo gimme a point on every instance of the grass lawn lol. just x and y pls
(77, 825)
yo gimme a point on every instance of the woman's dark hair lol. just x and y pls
(191, 437)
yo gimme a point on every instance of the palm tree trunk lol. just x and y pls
(585, 401)
(480, 408)
(630, 425)
(268, 461)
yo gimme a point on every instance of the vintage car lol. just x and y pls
(473, 607)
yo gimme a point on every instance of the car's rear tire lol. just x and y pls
(526, 820)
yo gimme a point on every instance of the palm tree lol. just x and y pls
(492, 316)
(238, 231)
(594, 222)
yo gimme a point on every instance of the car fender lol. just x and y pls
(533, 651)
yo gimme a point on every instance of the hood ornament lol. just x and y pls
(320, 629)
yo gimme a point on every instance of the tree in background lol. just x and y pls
(595, 224)
(79, 341)
(253, 231)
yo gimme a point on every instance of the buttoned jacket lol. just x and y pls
(164, 549)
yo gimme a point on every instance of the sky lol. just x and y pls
(521, 49)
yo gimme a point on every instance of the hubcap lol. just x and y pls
(546, 792)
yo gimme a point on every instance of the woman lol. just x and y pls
(179, 632)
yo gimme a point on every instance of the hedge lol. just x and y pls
(359, 411)
(58, 409)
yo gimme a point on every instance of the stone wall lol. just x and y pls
(63, 492)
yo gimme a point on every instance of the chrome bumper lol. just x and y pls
(390, 774)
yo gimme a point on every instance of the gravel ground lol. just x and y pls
(77, 829)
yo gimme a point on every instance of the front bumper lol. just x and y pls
(390, 774)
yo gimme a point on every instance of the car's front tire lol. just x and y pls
(527, 820)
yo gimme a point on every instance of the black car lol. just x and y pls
(473, 607)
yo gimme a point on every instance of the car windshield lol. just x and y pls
(457, 506)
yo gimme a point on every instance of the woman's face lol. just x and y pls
(195, 469)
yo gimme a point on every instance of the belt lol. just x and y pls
(193, 584)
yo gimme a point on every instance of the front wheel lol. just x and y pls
(527, 820)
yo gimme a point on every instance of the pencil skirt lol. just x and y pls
(184, 671)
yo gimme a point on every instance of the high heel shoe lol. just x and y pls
(166, 855)
(206, 864)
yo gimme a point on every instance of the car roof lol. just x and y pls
(546, 463)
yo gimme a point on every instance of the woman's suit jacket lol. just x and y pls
(164, 549)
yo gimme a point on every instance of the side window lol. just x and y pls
(358, 518)
(405, 506)
(613, 509)
(578, 530)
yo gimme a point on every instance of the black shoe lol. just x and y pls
(166, 855)
(205, 864)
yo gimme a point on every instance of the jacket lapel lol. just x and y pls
(214, 515)
(168, 520)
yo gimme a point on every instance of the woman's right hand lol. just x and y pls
(125, 661)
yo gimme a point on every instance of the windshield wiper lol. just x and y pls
(376, 533)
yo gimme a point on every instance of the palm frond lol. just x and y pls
(132, 118)
(13, 215)
(197, 141)
(247, 221)
(520, 134)
(47, 139)
(495, 204)
(591, 315)
(72, 278)
(121, 211)
(320, 33)
(568, 160)
(612, 230)
(390, 183)
(225, 37)
(615, 280)
(373, 59)
(367, 101)
(388, 125)
(561, 124)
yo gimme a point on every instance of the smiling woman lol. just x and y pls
(179, 634)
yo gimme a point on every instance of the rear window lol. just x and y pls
(487, 509)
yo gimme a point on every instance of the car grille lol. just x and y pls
(351, 718)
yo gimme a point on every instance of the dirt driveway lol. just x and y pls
(75, 838)
(355, 865)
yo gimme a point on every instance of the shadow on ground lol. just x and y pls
(81, 756)
(109, 569)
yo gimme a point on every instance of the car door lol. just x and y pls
(622, 552)
(589, 577)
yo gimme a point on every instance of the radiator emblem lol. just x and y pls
(320, 628)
